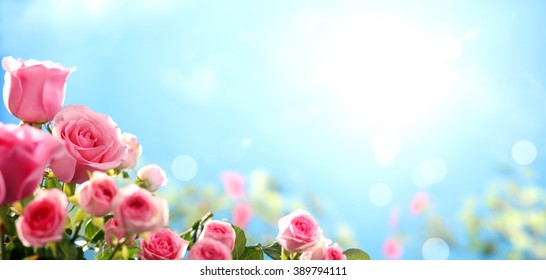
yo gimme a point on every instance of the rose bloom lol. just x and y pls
(234, 184)
(34, 90)
(298, 231)
(134, 150)
(138, 210)
(220, 231)
(153, 177)
(242, 212)
(43, 219)
(209, 249)
(92, 141)
(163, 245)
(392, 249)
(96, 194)
(24, 154)
(329, 251)
(112, 231)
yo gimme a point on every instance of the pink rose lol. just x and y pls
(392, 249)
(234, 184)
(43, 219)
(92, 141)
(113, 230)
(153, 177)
(134, 150)
(419, 203)
(24, 154)
(209, 249)
(298, 231)
(163, 245)
(138, 210)
(328, 251)
(220, 231)
(96, 194)
(242, 212)
(34, 90)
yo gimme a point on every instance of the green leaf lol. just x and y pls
(52, 183)
(253, 253)
(80, 215)
(356, 254)
(240, 243)
(273, 250)
(69, 189)
(92, 231)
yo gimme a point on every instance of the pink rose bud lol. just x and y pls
(163, 245)
(234, 184)
(220, 231)
(392, 249)
(112, 231)
(43, 219)
(419, 203)
(325, 252)
(242, 212)
(96, 194)
(209, 249)
(25, 152)
(138, 210)
(153, 177)
(134, 150)
(92, 141)
(34, 90)
(298, 231)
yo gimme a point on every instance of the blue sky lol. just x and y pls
(332, 97)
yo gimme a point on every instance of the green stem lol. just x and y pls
(5, 220)
(116, 249)
(2, 244)
(78, 227)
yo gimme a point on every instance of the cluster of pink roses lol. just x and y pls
(39, 173)
(82, 142)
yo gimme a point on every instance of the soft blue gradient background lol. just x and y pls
(195, 78)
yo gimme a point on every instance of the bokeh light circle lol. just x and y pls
(432, 170)
(380, 194)
(524, 152)
(435, 249)
(184, 167)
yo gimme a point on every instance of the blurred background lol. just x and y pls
(409, 130)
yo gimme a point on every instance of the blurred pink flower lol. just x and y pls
(394, 218)
(25, 152)
(392, 249)
(419, 203)
(113, 230)
(234, 184)
(242, 212)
